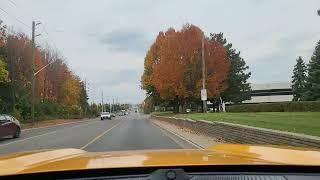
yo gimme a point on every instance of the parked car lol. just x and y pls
(9, 126)
(105, 115)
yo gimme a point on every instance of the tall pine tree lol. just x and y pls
(298, 79)
(312, 92)
(238, 88)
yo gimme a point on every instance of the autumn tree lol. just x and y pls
(58, 91)
(4, 74)
(238, 88)
(173, 66)
(298, 79)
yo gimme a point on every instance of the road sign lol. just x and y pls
(203, 94)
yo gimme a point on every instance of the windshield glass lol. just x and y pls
(103, 76)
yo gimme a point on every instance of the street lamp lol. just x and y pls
(43, 68)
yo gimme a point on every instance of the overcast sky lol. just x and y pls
(105, 42)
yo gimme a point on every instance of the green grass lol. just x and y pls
(298, 122)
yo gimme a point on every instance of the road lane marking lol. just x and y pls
(27, 138)
(56, 125)
(178, 135)
(51, 132)
(100, 135)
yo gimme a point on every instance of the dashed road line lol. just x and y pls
(100, 135)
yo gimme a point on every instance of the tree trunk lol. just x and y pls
(182, 106)
(176, 105)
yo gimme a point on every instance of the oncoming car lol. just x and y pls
(9, 126)
(105, 115)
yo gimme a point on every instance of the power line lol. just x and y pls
(16, 6)
(12, 2)
(15, 18)
(39, 19)
(43, 24)
(46, 32)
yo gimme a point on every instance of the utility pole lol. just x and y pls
(34, 24)
(32, 71)
(102, 109)
(85, 89)
(203, 91)
(112, 104)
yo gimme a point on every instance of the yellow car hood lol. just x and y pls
(222, 154)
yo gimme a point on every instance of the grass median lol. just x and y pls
(298, 122)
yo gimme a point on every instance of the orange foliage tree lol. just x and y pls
(54, 84)
(173, 66)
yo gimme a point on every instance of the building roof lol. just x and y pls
(265, 86)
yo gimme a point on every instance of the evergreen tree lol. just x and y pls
(238, 88)
(84, 98)
(298, 79)
(312, 92)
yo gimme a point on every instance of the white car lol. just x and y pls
(105, 115)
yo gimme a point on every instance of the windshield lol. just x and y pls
(104, 76)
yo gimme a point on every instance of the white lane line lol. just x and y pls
(1, 145)
(100, 135)
(178, 135)
(56, 125)
(51, 132)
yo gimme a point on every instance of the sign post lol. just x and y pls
(203, 94)
(204, 99)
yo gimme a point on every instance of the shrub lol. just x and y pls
(295, 106)
(48, 110)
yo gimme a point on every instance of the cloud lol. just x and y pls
(276, 63)
(112, 78)
(105, 42)
(125, 40)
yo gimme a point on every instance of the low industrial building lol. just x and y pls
(270, 92)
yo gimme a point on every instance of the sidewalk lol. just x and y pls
(196, 138)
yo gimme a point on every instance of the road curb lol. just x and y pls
(243, 134)
(181, 137)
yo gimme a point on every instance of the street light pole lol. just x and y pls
(33, 69)
(204, 99)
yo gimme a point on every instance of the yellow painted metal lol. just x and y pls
(220, 154)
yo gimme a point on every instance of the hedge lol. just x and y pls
(295, 106)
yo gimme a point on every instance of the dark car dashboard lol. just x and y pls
(226, 172)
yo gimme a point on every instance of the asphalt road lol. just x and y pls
(131, 132)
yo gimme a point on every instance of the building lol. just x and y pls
(270, 92)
